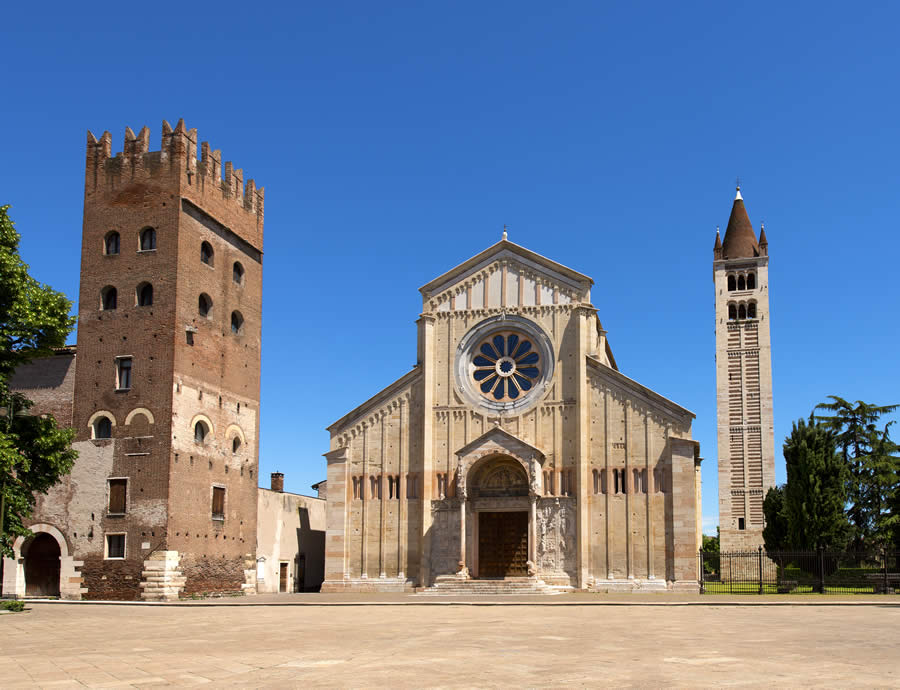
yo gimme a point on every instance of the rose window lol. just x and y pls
(505, 366)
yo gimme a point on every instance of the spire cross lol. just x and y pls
(737, 183)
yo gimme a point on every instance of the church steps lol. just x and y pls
(451, 585)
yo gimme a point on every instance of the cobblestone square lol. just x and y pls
(405, 641)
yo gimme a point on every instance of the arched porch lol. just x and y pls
(42, 566)
(498, 486)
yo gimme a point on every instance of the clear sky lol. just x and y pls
(395, 139)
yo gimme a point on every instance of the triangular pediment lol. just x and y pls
(506, 275)
(500, 442)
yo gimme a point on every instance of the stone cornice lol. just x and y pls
(509, 250)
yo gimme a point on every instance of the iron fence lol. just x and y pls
(799, 572)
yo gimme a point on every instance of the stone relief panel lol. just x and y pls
(556, 536)
(445, 537)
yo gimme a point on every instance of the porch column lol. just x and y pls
(461, 494)
(532, 528)
(463, 570)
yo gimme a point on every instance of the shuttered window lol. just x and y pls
(117, 491)
(115, 546)
(218, 503)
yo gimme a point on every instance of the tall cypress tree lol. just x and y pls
(816, 489)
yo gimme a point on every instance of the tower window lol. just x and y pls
(102, 427)
(751, 310)
(741, 283)
(204, 306)
(237, 273)
(237, 322)
(731, 284)
(751, 281)
(123, 373)
(117, 492)
(111, 243)
(108, 298)
(145, 295)
(207, 254)
(218, 503)
(742, 312)
(148, 239)
(115, 546)
(235, 444)
(201, 431)
(732, 312)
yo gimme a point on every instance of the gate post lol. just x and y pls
(821, 570)
(884, 569)
(760, 571)
(700, 571)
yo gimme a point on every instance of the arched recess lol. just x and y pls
(98, 414)
(14, 568)
(203, 418)
(139, 410)
(232, 433)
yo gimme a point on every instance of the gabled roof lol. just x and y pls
(380, 398)
(574, 278)
(650, 397)
(497, 435)
(740, 240)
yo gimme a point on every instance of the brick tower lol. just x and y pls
(743, 380)
(167, 382)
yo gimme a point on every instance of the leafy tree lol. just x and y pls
(884, 464)
(775, 533)
(34, 451)
(871, 482)
(711, 544)
(816, 489)
(711, 553)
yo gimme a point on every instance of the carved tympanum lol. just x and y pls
(503, 477)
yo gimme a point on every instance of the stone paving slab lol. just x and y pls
(417, 644)
(568, 599)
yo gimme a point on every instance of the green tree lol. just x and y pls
(816, 489)
(884, 465)
(776, 531)
(711, 559)
(865, 451)
(34, 451)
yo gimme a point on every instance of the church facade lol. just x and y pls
(515, 448)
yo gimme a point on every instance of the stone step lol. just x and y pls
(454, 586)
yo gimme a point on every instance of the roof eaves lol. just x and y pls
(572, 275)
(379, 398)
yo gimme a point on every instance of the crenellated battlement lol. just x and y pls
(176, 162)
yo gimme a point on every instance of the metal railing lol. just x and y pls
(799, 572)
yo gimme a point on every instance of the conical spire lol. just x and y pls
(717, 247)
(763, 242)
(740, 240)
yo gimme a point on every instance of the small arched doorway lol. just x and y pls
(42, 555)
(499, 496)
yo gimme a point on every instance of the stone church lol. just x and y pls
(514, 449)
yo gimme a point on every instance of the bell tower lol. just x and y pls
(746, 444)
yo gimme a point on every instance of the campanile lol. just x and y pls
(746, 444)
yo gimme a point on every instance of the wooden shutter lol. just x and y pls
(117, 489)
(218, 503)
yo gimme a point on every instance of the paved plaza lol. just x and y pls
(407, 641)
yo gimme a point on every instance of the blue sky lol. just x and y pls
(395, 139)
